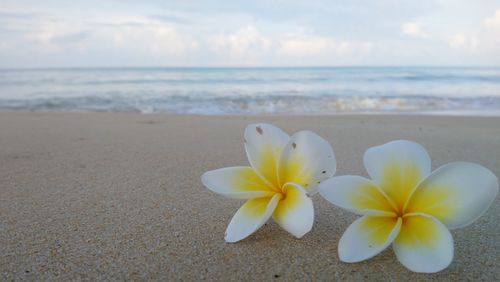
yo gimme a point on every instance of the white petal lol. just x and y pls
(456, 193)
(424, 244)
(307, 160)
(368, 236)
(250, 217)
(264, 144)
(356, 194)
(295, 212)
(397, 167)
(237, 183)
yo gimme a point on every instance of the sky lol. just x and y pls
(117, 33)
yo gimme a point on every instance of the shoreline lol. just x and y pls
(114, 196)
(472, 114)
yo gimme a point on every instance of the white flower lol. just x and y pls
(406, 205)
(283, 171)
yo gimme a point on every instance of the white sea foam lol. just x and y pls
(254, 90)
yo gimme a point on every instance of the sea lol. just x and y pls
(244, 91)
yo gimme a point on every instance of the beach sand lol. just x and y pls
(108, 196)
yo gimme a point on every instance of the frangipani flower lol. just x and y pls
(283, 171)
(406, 205)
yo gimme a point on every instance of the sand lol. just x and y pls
(118, 196)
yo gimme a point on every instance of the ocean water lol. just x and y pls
(254, 90)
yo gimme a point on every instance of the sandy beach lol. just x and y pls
(108, 196)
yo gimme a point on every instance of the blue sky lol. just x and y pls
(90, 33)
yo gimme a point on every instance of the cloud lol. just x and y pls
(305, 47)
(460, 41)
(316, 46)
(491, 35)
(117, 33)
(414, 29)
(152, 39)
(494, 21)
(246, 41)
(71, 37)
(171, 19)
(16, 15)
(485, 41)
(50, 36)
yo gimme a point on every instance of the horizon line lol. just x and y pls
(240, 67)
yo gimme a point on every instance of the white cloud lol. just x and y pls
(485, 41)
(246, 41)
(153, 39)
(490, 38)
(414, 29)
(494, 21)
(463, 42)
(117, 34)
(312, 46)
(50, 36)
(315, 46)
(224, 33)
